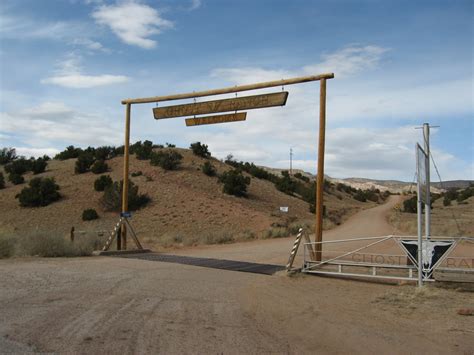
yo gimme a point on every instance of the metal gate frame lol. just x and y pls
(312, 266)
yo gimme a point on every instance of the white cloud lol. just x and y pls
(348, 61)
(377, 153)
(345, 62)
(195, 4)
(71, 32)
(36, 152)
(390, 101)
(51, 124)
(89, 44)
(80, 81)
(132, 22)
(52, 111)
(385, 153)
(69, 75)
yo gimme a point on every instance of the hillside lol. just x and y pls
(396, 186)
(456, 184)
(453, 219)
(187, 207)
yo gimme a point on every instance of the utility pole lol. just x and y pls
(419, 220)
(426, 139)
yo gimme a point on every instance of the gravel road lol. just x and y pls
(98, 305)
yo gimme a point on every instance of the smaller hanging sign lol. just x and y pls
(232, 117)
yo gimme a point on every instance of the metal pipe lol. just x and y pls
(228, 90)
(426, 136)
(419, 207)
(354, 251)
(350, 240)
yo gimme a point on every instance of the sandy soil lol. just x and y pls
(367, 223)
(185, 204)
(113, 305)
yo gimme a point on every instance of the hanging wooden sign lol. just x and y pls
(197, 121)
(225, 105)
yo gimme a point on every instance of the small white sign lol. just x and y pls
(284, 209)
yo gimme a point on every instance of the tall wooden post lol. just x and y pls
(126, 158)
(320, 176)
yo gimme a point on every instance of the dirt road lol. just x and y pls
(367, 223)
(125, 306)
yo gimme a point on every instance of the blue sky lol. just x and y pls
(66, 65)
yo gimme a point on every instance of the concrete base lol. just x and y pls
(121, 252)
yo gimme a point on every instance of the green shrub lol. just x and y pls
(168, 160)
(119, 150)
(360, 196)
(69, 153)
(2, 181)
(259, 173)
(102, 182)
(18, 166)
(200, 150)
(41, 192)
(452, 193)
(372, 196)
(16, 179)
(301, 177)
(7, 155)
(312, 209)
(89, 214)
(446, 201)
(410, 205)
(346, 188)
(84, 162)
(208, 169)
(137, 173)
(465, 194)
(143, 151)
(99, 167)
(112, 198)
(104, 153)
(234, 183)
(38, 166)
(285, 184)
(170, 145)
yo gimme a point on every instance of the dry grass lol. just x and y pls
(444, 219)
(411, 297)
(7, 246)
(277, 232)
(47, 245)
